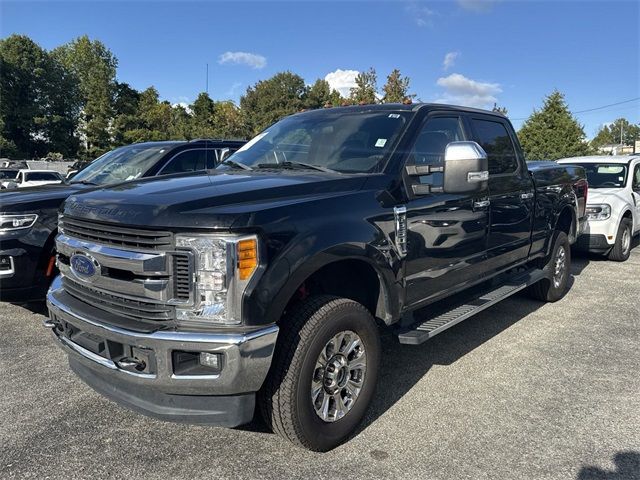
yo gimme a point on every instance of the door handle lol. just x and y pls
(526, 196)
(481, 204)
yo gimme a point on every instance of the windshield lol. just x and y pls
(352, 142)
(605, 175)
(8, 174)
(121, 164)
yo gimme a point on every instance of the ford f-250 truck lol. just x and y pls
(194, 299)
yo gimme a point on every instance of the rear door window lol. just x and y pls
(495, 139)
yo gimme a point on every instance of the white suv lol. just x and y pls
(613, 204)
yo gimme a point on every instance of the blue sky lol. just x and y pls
(512, 52)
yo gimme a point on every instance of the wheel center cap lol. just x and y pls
(336, 373)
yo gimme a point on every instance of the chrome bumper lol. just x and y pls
(246, 356)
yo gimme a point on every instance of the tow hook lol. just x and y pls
(48, 323)
(131, 364)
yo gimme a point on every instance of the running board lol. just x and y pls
(430, 326)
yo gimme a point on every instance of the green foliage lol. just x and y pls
(366, 88)
(552, 132)
(396, 89)
(620, 131)
(93, 64)
(270, 100)
(320, 95)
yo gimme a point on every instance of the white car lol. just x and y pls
(33, 178)
(613, 204)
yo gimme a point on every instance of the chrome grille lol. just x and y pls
(113, 303)
(181, 277)
(116, 235)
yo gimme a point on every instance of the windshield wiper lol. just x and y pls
(233, 163)
(292, 165)
(84, 182)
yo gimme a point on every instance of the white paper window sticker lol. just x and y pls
(620, 179)
(381, 142)
(394, 115)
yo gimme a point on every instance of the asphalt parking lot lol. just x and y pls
(522, 390)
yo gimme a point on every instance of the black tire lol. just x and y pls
(285, 398)
(622, 248)
(554, 287)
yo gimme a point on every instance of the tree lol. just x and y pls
(321, 94)
(621, 131)
(552, 132)
(366, 87)
(22, 90)
(203, 116)
(228, 121)
(95, 67)
(40, 103)
(396, 89)
(502, 110)
(270, 100)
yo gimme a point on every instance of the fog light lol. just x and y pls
(211, 360)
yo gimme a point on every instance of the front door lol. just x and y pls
(446, 233)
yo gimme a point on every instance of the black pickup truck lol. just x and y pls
(267, 282)
(29, 216)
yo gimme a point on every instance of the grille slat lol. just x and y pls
(134, 309)
(181, 277)
(116, 235)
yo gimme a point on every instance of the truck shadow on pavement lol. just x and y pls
(402, 366)
(627, 467)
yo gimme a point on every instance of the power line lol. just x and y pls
(594, 109)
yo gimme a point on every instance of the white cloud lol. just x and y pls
(342, 81)
(422, 16)
(461, 90)
(450, 60)
(252, 60)
(478, 6)
(184, 105)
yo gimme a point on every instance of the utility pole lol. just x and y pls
(207, 86)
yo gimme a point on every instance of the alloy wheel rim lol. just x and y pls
(559, 266)
(338, 376)
(626, 241)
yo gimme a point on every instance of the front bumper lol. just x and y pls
(96, 350)
(593, 243)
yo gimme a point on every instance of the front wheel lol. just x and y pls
(554, 287)
(324, 372)
(622, 248)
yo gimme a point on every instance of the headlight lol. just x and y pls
(16, 222)
(598, 212)
(223, 267)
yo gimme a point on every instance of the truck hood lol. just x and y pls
(219, 200)
(37, 198)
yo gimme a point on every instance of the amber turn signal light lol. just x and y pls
(247, 258)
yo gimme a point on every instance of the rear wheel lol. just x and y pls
(323, 374)
(553, 288)
(622, 248)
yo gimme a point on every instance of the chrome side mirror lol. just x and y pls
(466, 168)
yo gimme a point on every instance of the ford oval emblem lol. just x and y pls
(84, 267)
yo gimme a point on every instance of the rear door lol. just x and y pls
(446, 233)
(511, 192)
